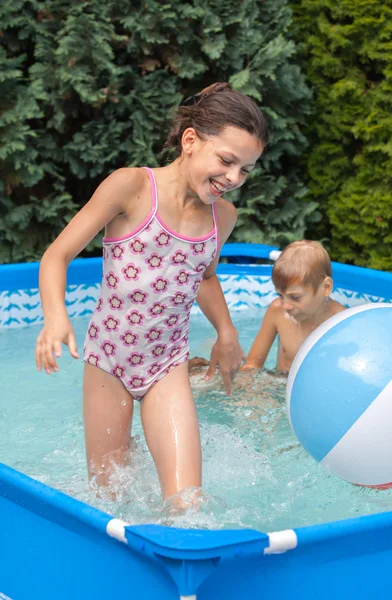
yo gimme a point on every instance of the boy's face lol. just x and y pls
(303, 302)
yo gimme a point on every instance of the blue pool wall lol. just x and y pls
(53, 546)
(246, 286)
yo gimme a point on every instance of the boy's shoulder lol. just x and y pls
(275, 310)
(336, 307)
(276, 306)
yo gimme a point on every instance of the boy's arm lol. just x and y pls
(264, 339)
(226, 352)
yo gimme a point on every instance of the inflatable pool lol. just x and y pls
(54, 547)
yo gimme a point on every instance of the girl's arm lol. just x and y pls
(226, 352)
(109, 200)
(263, 341)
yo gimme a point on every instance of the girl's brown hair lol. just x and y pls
(213, 109)
(304, 262)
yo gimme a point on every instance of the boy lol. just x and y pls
(302, 277)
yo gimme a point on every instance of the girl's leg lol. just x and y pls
(107, 413)
(172, 431)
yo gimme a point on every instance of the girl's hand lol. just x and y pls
(249, 367)
(228, 354)
(56, 332)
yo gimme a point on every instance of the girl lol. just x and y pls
(163, 232)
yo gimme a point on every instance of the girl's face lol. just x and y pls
(218, 164)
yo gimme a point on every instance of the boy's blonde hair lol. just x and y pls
(304, 262)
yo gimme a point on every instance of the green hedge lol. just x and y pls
(346, 48)
(88, 87)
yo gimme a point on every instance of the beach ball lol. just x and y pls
(339, 395)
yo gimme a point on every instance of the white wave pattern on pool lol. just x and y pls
(255, 473)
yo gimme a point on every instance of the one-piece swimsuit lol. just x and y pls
(139, 329)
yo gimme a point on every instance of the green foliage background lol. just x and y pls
(346, 52)
(88, 87)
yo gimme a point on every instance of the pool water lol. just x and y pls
(255, 474)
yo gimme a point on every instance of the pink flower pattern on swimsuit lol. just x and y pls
(196, 285)
(182, 278)
(155, 261)
(93, 331)
(171, 321)
(138, 297)
(160, 284)
(179, 298)
(109, 348)
(157, 309)
(136, 359)
(139, 329)
(111, 323)
(198, 248)
(136, 382)
(178, 258)
(115, 302)
(175, 335)
(117, 252)
(162, 239)
(154, 335)
(112, 280)
(174, 351)
(93, 359)
(159, 350)
(135, 318)
(131, 272)
(129, 338)
(118, 371)
(153, 370)
(137, 247)
(201, 267)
